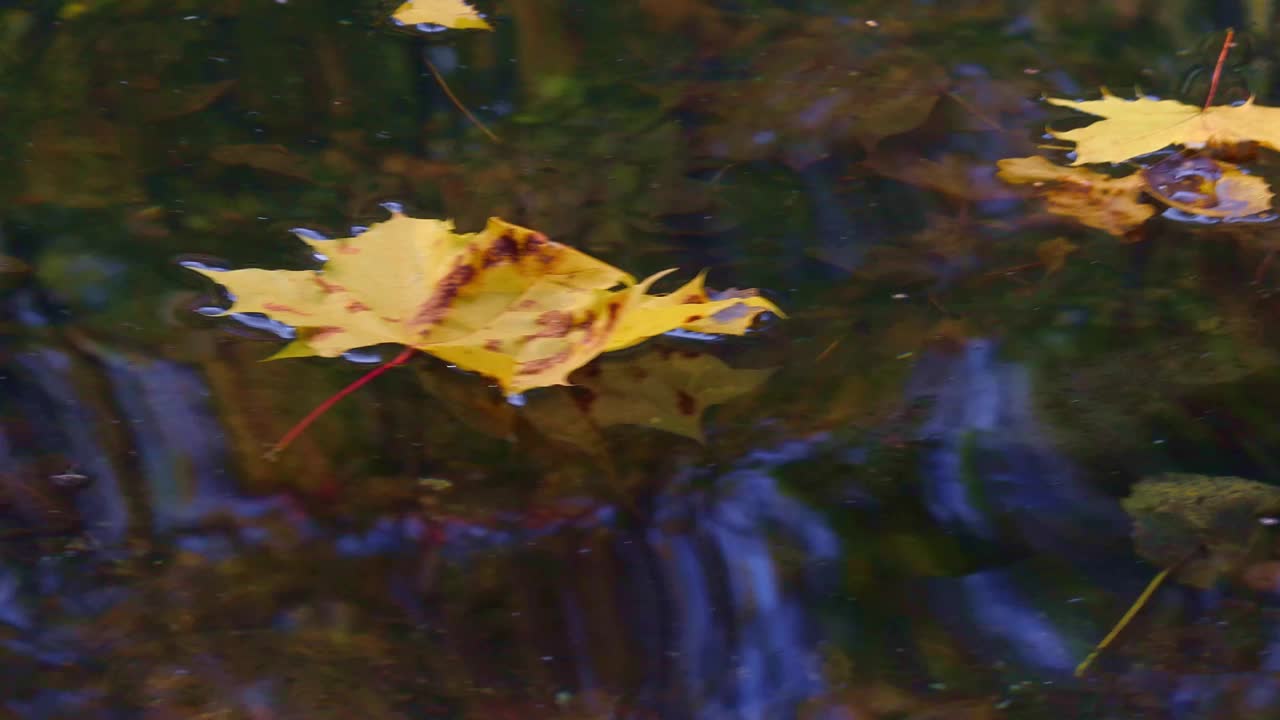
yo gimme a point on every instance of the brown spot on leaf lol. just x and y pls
(693, 318)
(346, 249)
(538, 244)
(693, 298)
(356, 306)
(527, 304)
(554, 324)
(329, 287)
(533, 367)
(685, 403)
(438, 305)
(323, 333)
(614, 310)
(493, 345)
(278, 308)
(503, 250)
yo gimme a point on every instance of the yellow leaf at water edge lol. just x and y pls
(1130, 128)
(1093, 199)
(505, 302)
(454, 14)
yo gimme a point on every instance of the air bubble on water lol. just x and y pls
(445, 58)
(691, 335)
(258, 321)
(307, 234)
(210, 311)
(1263, 217)
(364, 357)
(393, 207)
(516, 399)
(201, 265)
(429, 28)
(359, 229)
(1190, 218)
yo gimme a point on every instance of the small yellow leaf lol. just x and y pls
(1093, 199)
(454, 14)
(1131, 128)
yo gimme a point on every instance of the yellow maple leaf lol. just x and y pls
(505, 302)
(455, 14)
(1093, 199)
(1130, 128)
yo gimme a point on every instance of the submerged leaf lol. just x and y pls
(1096, 200)
(1137, 127)
(505, 302)
(454, 14)
(662, 390)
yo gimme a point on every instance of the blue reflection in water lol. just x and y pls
(993, 472)
(43, 390)
(719, 632)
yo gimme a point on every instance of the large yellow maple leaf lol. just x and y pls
(505, 302)
(455, 14)
(1130, 128)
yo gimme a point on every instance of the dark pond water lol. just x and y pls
(903, 501)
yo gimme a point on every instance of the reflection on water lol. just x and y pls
(706, 603)
(904, 502)
(699, 609)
